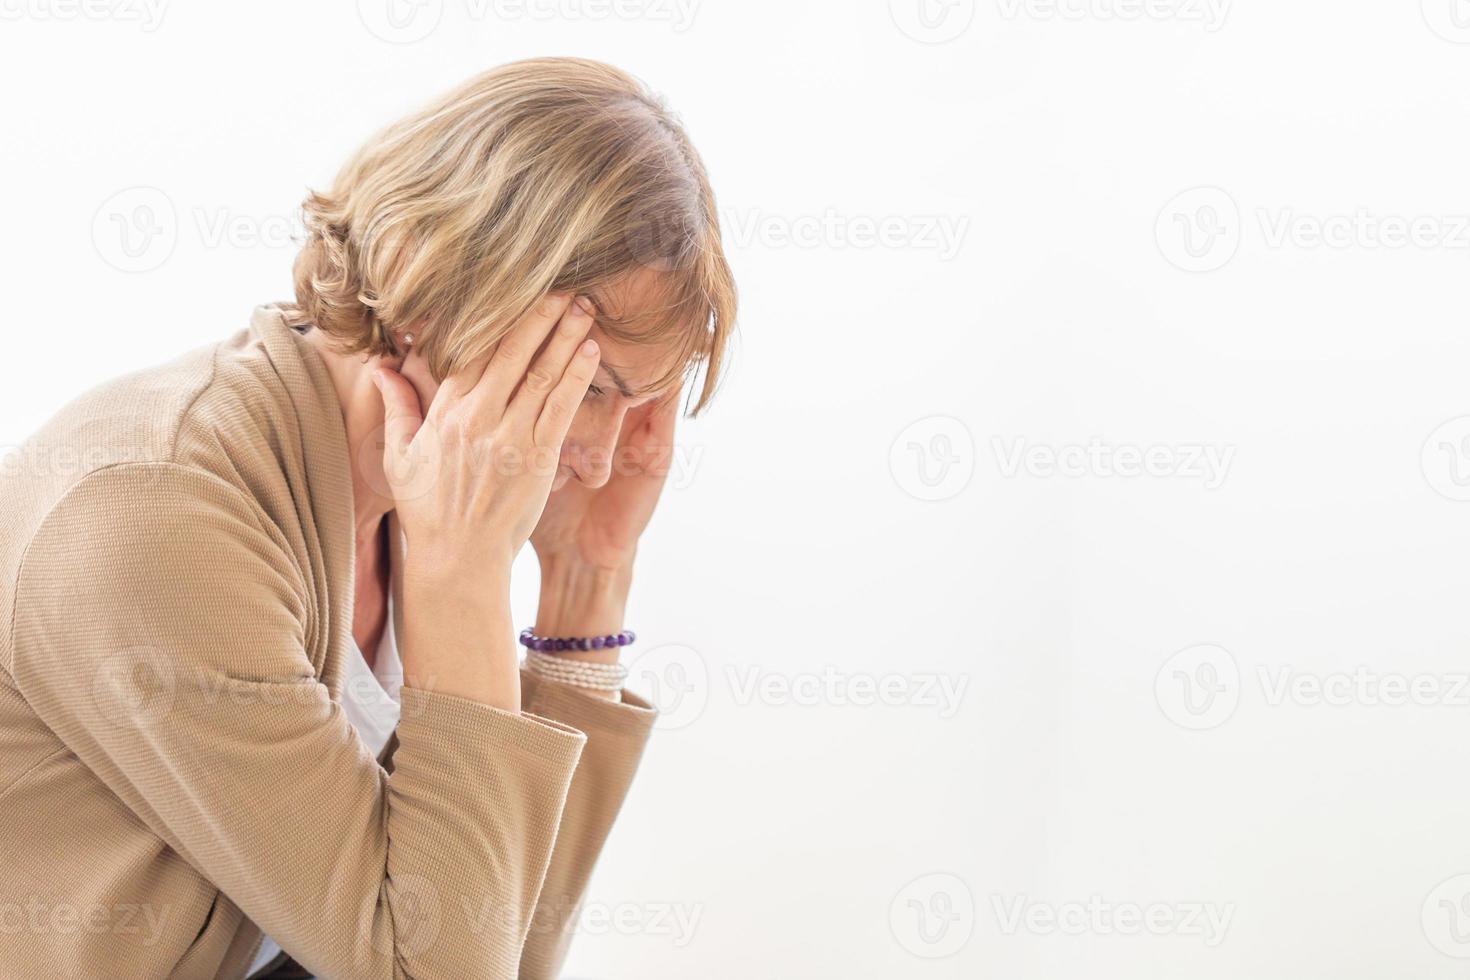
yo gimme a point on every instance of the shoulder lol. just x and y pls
(153, 549)
(183, 462)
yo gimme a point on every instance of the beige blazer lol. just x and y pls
(176, 772)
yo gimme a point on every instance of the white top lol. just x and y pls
(370, 702)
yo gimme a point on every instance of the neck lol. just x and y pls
(362, 416)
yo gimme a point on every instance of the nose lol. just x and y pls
(592, 443)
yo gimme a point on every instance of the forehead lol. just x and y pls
(645, 360)
(643, 368)
(644, 288)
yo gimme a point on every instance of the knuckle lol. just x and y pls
(508, 351)
(539, 379)
(555, 412)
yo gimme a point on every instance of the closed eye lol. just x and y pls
(595, 392)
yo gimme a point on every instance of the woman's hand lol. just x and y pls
(587, 538)
(469, 482)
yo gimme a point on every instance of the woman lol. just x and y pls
(260, 699)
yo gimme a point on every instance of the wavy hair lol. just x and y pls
(547, 175)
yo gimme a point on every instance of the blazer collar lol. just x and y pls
(325, 506)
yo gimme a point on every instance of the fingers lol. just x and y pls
(561, 405)
(512, 358)
(550, 366)
(402, 414)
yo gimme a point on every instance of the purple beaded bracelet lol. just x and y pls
(561, 644)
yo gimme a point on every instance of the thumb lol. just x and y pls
(402, 415)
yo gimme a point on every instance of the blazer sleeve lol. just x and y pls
(616, 735)
(161, 630)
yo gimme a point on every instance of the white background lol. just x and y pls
(1087, 302)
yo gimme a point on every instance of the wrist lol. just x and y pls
(578, 599)
(457, 634)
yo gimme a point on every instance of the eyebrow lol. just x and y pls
(622, 385)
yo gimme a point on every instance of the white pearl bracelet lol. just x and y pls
(577, 673)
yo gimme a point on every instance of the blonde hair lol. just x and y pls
(548, 175)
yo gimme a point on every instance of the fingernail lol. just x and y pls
(588, 348)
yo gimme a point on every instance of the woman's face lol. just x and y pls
(619, 391)
(587, 455)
